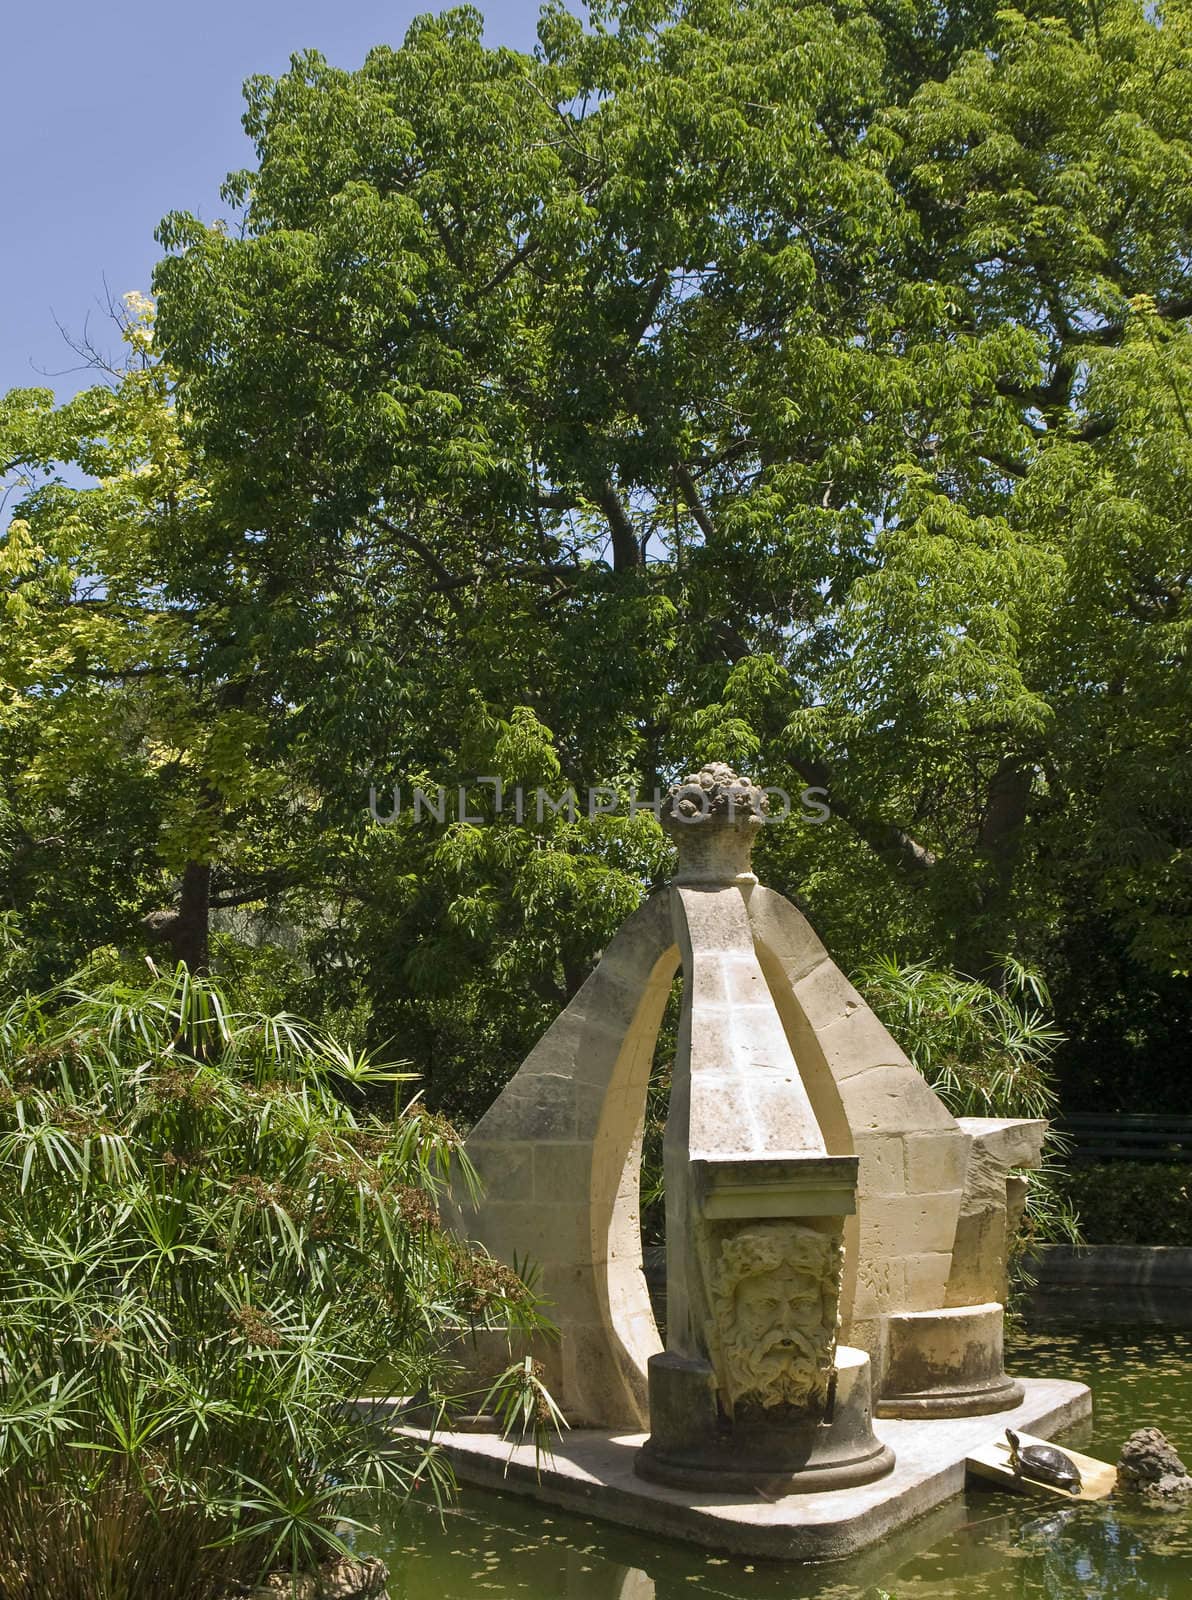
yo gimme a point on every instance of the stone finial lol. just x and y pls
(713, 816)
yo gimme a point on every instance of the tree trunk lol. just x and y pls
(185, 930)
(190, 933)
(987, 935)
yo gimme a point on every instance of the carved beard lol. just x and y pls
(791, 1370)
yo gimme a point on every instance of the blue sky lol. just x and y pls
(112, 116)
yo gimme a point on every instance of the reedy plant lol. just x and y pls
(207, 1256)
(986, 1052)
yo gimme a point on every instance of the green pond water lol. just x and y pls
(984, 1545)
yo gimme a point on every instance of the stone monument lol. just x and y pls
(835, 1237)
(751, 1387)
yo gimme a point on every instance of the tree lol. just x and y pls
(133, 765)
(799, 384)
(159, 774)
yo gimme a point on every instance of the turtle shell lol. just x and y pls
(1049, 1465)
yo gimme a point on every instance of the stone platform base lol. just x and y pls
(592, 1473)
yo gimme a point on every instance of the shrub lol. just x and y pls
(987, 1053)
(1132, 1202)
(206, 1257)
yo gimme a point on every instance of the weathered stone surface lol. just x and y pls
(1015, 1141)
(558, 1155)
(593, 1474)
(775, 1294)
(945, 1363)
(1148, 1466)
(713, 816)
(777, 1451)
(992, 1203)
(913, 1156)
(934, 1162)
(737, 1093)
(351, 1579)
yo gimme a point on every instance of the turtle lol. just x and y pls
(1044, 1463)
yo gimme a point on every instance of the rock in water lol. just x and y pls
(1149, 1466)
(351, 1579)
(343, 1578)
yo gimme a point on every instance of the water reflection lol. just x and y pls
(988, 1547)
(983, 1546)
(1080, 1551)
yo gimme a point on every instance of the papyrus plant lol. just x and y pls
(205, 1257)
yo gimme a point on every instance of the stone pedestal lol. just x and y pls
(946, 1364)
(692, 1444)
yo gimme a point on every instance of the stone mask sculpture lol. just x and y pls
(775, 1297)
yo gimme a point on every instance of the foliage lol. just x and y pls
(802, 384)
(128, 761)
(789, 383)
(1131, 1202)
(987, 1053)
(651, 1181)
(144, 759)
(468, 938)
(206, 1256)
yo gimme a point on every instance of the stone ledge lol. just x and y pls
(1156, 1266)
(592, 1473)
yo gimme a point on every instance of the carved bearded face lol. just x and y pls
(776, 1296)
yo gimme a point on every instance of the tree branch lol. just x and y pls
(654, 295)
(886, 839)
(447, 580)
(1168, 310)
(1094, 427)
(507, 270)
(246, 897)
(1003, 463)
(626, 549)
(694, 504)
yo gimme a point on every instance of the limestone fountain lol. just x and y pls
(836, 1239)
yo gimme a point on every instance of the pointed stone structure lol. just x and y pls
(830, 1225)
(751, 1388)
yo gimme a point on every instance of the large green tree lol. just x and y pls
(141, 764)
(802, 384)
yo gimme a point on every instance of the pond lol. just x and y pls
(982, 1546)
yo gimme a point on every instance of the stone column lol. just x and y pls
(751, 1389)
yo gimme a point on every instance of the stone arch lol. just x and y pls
(558, 1154)
(790, 1099)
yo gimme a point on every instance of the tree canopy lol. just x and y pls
(803, 385)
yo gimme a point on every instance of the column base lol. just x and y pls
(692, 1446)
(945, 1363)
